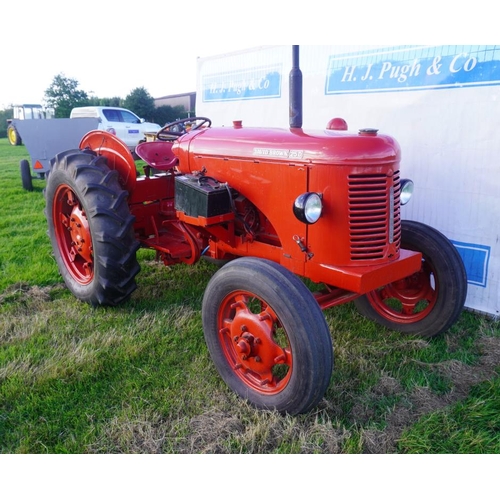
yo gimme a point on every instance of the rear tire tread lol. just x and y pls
(110, 223)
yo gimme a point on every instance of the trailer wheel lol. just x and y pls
(26, 179)
(13, 136)
(90, 228)
(267, 335)
(428, 302)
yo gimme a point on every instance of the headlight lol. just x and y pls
(308, 207)
(406, 191)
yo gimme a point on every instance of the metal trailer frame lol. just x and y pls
(45, 138)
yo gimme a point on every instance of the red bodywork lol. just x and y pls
(353, 248)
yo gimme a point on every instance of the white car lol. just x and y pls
(119, 121)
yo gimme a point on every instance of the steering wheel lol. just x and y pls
(178, 128)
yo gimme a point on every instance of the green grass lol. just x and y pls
(469, 427)
(138, 378)
(24, 251)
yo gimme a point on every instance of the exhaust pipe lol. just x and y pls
(295, 85)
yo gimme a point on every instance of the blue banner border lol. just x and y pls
(413, 67)
(476, 260)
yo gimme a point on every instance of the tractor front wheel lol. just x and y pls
(267, 335)
(429, 301)
(91, 228)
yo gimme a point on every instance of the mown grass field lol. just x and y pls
(138, 378)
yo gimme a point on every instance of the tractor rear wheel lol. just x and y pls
(90, 228)
(428, 302)
(13, 136)
(267, 335)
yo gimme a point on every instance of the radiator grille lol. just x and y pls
(374, 215)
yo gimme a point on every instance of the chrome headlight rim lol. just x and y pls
(308, 207)
(406, 191)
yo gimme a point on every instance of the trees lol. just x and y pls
(5, 114)
(63, 95)
(105, 101)
(141, 103)
(165, 114)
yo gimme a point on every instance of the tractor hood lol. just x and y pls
(288, 145)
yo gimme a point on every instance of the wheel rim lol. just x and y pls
(254, 342)
(12, 136)
(408, 300)
(72, 235)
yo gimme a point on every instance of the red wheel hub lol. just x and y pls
(408, 300)
(254, 343)
(72, 235)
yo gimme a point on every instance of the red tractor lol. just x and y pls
(282, 207)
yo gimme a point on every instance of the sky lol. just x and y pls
(111, 47)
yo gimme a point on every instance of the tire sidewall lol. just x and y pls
(447, 267)
(110, 226)
(13, 136)
(241, 275)
(26, 179)
(449, 274)
(57, 178)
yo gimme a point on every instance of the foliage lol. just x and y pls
(138, 378)
(140, 102)
(5, 114)
(166, 114)
(63, 95)
(105, 101)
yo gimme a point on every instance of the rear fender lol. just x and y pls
(117, 154)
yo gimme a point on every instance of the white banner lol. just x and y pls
(441, 103)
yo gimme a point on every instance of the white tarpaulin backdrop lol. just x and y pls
(441, 103)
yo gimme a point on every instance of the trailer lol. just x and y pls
(45, 138)
(442, 103)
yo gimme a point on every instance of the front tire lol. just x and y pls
(428, 302)
(267, 335)
(91, 228)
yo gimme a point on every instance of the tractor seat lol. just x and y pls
(157, 154)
